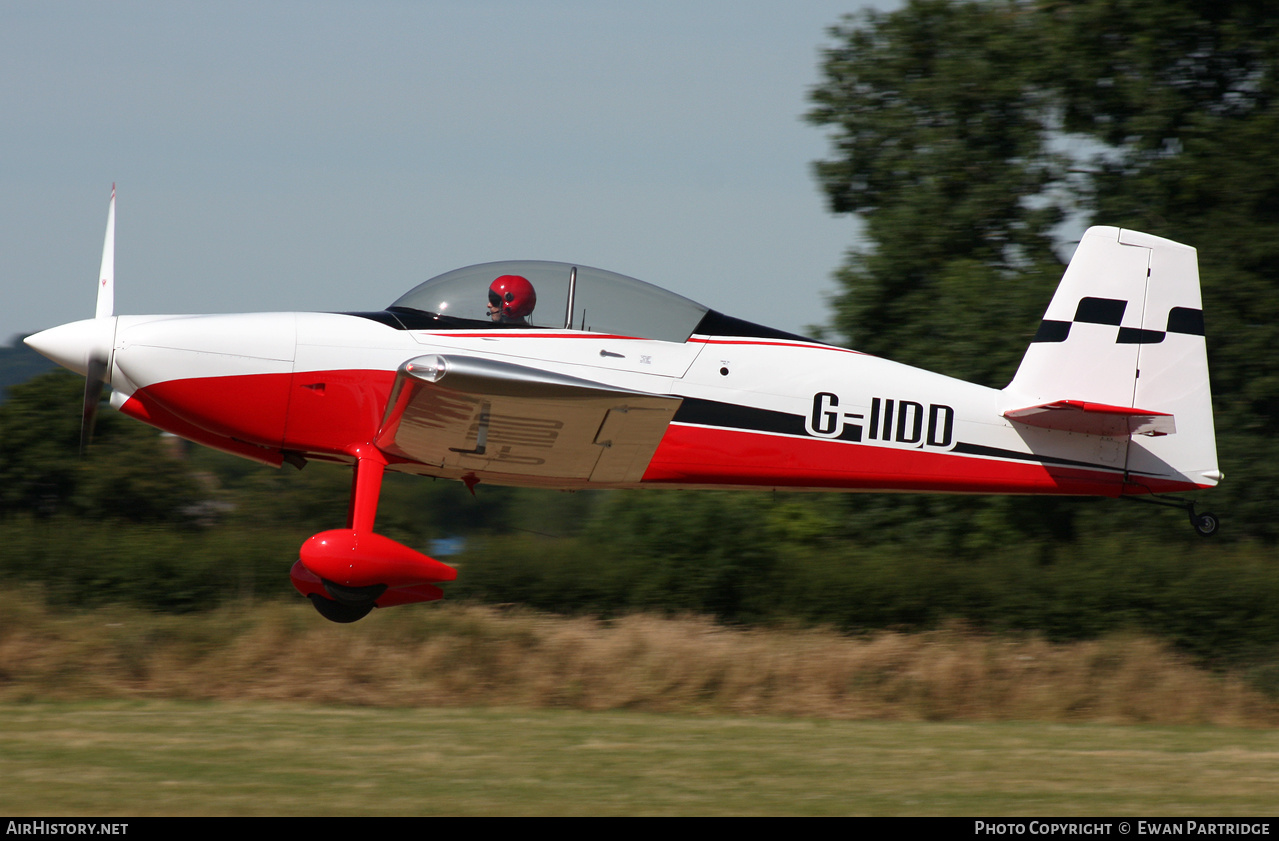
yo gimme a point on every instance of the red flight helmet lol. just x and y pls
(513, 295)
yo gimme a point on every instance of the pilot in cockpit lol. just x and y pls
(511, 300)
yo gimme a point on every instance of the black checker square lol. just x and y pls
(1101, 311)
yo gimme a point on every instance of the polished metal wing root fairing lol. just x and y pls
(463, 415)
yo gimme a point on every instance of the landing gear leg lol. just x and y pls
(348, 572)
(345, 604)
(366, 487)
(1205, 524)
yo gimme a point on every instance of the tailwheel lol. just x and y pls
(337, 611)
(1205, 524)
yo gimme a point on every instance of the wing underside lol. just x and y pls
(460, 413)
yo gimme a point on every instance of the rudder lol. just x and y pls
(1124, 331)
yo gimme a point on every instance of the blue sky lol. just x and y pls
(331, 155)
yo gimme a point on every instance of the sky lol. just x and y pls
(328, 156)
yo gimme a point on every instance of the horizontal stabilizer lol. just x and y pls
(1094, 419)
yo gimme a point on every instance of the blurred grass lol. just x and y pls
(458, 655)
(264, 709)
(172, 758)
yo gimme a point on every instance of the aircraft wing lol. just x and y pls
(470, 414)
(1094, 419)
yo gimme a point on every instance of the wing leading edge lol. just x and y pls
(463, 413)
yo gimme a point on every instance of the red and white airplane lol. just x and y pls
(562, 376)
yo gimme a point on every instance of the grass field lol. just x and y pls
(170, 758)
(465, 710)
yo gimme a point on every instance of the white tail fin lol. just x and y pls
(1121, 353)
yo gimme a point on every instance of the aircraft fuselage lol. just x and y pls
(756, 413)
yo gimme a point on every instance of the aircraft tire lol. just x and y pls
(339, 612)
(1206, 524)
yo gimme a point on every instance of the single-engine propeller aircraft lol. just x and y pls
(558, 375)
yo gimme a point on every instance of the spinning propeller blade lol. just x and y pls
(98, 363)
(106, 275)
(93, 384)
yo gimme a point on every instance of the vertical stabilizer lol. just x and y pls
(1125, 330)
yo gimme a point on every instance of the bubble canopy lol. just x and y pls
(568, 297)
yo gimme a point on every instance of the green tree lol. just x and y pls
(1184, 93)
(940, 128)
(948, 122)
(128, 473)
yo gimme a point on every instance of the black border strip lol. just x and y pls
(717, 324)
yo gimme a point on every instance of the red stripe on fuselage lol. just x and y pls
(250, 407)
(697, 455)
(311, 411)
(703, 340)
(332, 411)
(142, 406)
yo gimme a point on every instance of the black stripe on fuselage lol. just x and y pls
(1013, 455)
(697, 412)
(732, 416)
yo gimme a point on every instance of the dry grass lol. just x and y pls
(458, 655)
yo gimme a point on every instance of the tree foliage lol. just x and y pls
(940, 131)
(129, 475)
(1192, 115)
(965, 133)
